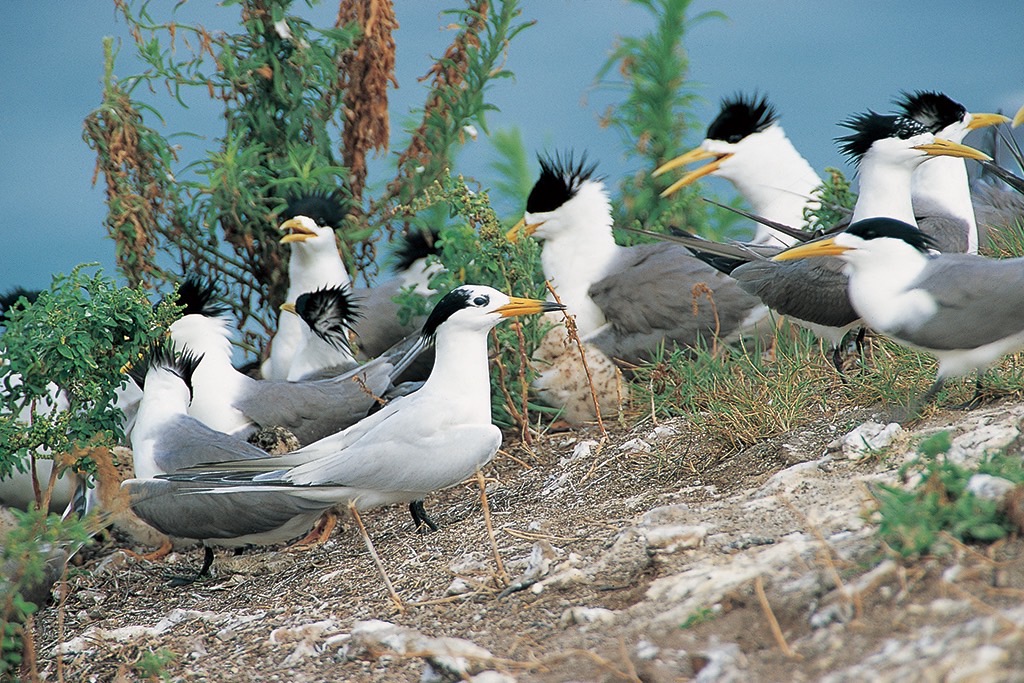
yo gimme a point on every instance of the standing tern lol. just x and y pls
(315, 262)
(421, 443)
(748, 147)
(961, 308)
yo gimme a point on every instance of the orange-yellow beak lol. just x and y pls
(522, 229)
(693, 156)
(826, 247)
(517, 306)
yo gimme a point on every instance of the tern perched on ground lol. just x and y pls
(627, 301)
(231, 402)
(421, 443)
(325, 351)
(166, 439)
(315, 262)
(963, 309)
(748, 147)
(887, 151)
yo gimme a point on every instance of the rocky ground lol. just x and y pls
(643, 555)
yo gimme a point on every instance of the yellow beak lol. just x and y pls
(517, 306)
(290, 307)
(985, 120)
(299, 232)
(826, 247)
(952, 149)
(694, 155)
(522, 229)
(1018, 118)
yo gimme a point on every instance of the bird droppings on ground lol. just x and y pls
(624, 564)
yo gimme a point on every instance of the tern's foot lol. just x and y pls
(319, 534)
(422, 521)
(158, 554)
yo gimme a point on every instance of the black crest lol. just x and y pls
(197, 296)
(451, 303)
(330, 313)
(741, 116)
(874, 228)
(560, 180)
(414, 245)
(933, 110)
(10, 298)
(326, 209)
(871, 127)
(161, 355)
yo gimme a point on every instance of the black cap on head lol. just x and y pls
(871, 127)
(875, 228)
(11, 297)
(933, 110)
(161, 356)
(196, 295)
(414, 244)
(326, 209)
(330, 313)
(741, 116)
(560, 180)
(451, 303)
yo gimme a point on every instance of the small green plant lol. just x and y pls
(152, 664)
(912, 522)
(835, 202)
(699, 616)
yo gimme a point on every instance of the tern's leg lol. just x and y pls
(837, 360)
(158, 554)
(319, 534)
(376, 558)
(203, 572)
(977, 399)
(420, 518)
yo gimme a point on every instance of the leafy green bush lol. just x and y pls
(912, 522)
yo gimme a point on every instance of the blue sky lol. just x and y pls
(818, 62)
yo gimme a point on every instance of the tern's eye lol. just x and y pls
(481, 300)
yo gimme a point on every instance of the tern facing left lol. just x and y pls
(963, 309)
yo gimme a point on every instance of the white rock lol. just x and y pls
(989, 487)
(868, 437)
(491, 676)
(672, 538)
(989, 438)
(458, 587)
(586, 615)
(311, 631)
(635, 446)
(453, 656)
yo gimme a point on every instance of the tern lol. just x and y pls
(962, 309)
(748, 147)
(315, 262)
(231, 402)
(421, 443)
(325, 351)
(628, 302)
(940, 190)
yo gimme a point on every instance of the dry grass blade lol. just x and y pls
(502, 574)
(773, 623)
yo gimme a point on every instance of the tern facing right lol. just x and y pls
(963, 309)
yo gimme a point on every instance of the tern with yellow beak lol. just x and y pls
(963, 309)
(315, 262)
(747, 146)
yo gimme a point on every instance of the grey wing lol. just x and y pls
(949, 233)
(181, 509)
(313, 410)
(812, 290)
(979, 301)
(651, 295)
(188, 442)
(379, 326)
